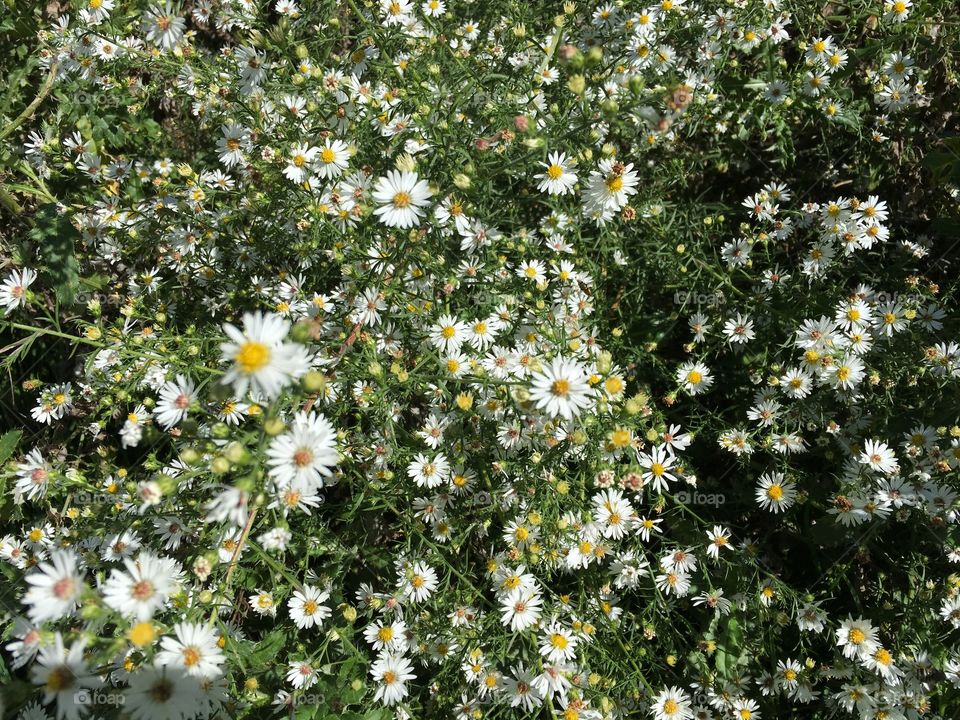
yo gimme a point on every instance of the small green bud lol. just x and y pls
(594, 56)
(314, 381)
(274, 426)
(220, 465)
(237, 454)
(301, 332)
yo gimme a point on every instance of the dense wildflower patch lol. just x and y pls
(480, 359)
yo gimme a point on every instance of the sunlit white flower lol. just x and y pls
(557, 643)
(195, 650)
(879, 456)
(262, 360)
(400, 197)
(174, 402)
(305, 455)
(391, 673)
(13, 291)
(694, 377)
(561, 388)
(857, 638)
(144, 588)
(55, 587)
(774, 493)
(520, 609)
(306, 607)
(558, 178)
(672, 704)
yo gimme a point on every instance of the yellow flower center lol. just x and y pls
(560, 388)
(252, 356)
(620, 438)
(190, 656)
(401, 199)
(142, 634)
(59, 679)
(554, 172)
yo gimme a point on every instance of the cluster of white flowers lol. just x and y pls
(421, 366)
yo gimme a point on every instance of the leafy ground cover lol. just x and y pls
(480, 359)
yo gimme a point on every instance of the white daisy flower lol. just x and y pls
(195, 650)
(400, 197)
(561, 388)
(557, 179)
(304, 455)
(262, 361)
(306, 607)
(55, 587)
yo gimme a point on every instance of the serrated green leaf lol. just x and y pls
(57, 238)
(8, 443)
(729, 647)
(267, 649)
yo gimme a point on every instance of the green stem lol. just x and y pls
(32, 107)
